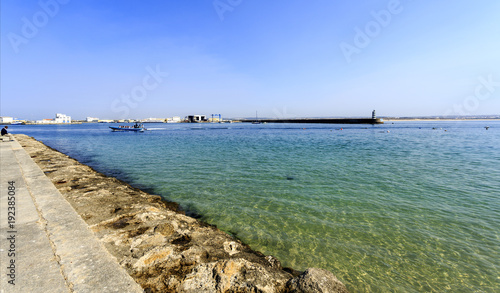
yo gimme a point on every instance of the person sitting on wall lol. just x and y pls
(4, 130)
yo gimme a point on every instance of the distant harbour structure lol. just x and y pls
(216, 118)
(196, 118)
(5, 119)
(60, 119)
(175, 119)
(153, 120)
(372, 120)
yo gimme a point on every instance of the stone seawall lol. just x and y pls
(160, 247)
(319, 120)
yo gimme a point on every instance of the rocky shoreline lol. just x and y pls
(159, 246)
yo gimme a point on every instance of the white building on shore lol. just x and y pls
(153, 120)
(6, 119)
(46, 121)
(175, 119)
(62, 118)
(92, 119)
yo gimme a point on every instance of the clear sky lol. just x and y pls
(282, 58)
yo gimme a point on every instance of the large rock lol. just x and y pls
(234, 275)
(315, 280)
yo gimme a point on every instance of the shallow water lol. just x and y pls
(396, 207)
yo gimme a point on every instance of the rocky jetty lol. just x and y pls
(160, 247)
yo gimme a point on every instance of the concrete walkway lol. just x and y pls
(44, 244)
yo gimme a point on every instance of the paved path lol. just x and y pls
(45, 246)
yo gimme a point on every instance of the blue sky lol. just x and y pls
(282, 58)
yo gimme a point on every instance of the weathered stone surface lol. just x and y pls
(315, 280)
(233, 275)
(160, 247)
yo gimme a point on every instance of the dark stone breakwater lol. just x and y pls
(319, 120)
(160, 247)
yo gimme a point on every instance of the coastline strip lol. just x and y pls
(54, 251)
(160, 247)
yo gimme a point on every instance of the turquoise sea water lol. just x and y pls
(396, 207)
